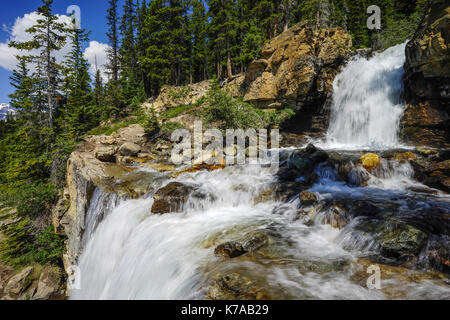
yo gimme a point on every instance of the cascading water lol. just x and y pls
(367, 107)
(133, 254)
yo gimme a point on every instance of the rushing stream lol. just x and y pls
(133, 254)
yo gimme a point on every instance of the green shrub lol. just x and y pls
(170, 127)
(232, 113)
(23, 246)
(175, 111)
(150, 123)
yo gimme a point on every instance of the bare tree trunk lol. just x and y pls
(229, 72)
(49, 84)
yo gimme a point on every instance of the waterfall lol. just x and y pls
(366, 107)
(131, 253)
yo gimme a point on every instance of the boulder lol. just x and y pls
(252, 241)
(171, 198)
(405, 156)
(129, 149)
(106, 153)
(19, 283)
(307, 198)
(234, 286)
(230, 249)
(49, 283)
(370, 161)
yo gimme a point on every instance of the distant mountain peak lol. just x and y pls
(5, 110)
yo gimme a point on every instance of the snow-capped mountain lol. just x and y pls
(6, 109)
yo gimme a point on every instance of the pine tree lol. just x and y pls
(48, 37)
(198, 29)
(99, 95)
(222, 30)
(113, 67)
(128, 52)
(22, 99)
(80, 112)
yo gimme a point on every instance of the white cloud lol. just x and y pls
(97, 51)
(18, 33)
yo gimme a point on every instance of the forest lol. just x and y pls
(152, 44)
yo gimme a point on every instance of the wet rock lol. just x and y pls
(402, 239)
(287, 174)
(397, 240)
(392, 277)
(307, 198)
(230, 249)
(129, 149)
(426, 152)
(370, 161)
(106, 153)
(336, 217)
(253, 241)
(405, 156)
(19, 283)
(322, 267)
(49, 284)
(171, 198)
(234, 286)
(443, 167)
(439, 257)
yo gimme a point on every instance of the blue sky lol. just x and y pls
(93, 18)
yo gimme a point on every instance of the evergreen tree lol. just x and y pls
(113, 68)
(222, 31)
(22, 99)
(198, 30)
(128, 52)
(48, 36)
(80, 113)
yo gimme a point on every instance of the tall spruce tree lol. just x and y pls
(128, 51)
(114, 93)
(48, 36)
(80, 112)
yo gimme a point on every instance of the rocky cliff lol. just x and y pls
(427, 79)
(297, 70)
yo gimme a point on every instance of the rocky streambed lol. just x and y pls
(311, 231)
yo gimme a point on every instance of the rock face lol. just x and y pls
(18, 283)
(174, 96)
(98, 164)
(49, 283)
(427, 79)
(297, 70)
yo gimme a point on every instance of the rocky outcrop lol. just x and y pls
(50, 284)
(427, 79)
(170, 96)
(297, 70)
(19, 283)
(171, 198)
(99, 163)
